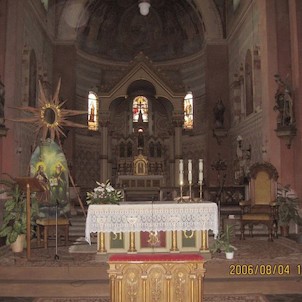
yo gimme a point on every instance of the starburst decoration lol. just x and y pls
(50, 117)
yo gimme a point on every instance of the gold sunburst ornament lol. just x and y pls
(50, 117)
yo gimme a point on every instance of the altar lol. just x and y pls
(152, 227)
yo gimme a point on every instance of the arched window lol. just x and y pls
(32, 94)
(93, 109)
(188, 111)
(249, 98)
(140, 105)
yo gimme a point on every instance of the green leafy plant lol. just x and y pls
(288, 207)
(104, 193)
(14, 214)
(223, 241)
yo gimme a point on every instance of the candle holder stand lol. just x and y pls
(181, 194)
(190, 192)
(200, 191)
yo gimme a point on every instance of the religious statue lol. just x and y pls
(140, 140)
(241, 162)
(284, 103)
(219, 114)
(91, 117)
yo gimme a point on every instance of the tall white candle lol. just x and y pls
(190, 170)
(181, 165)
(190, 177)
(181, 172)
(200, 178)
(190, 165)
(181, 179)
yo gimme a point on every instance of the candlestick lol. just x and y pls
(181, 172)
(181, 194)
(181, 178)
(190, 171)
(181, 165)
(200, 178)
(200, 191)
(190, 165)
(190, 192)
(190, 177)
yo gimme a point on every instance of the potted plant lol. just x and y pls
(288, 210)
(223, 243)
(104, 193)
(14, 215)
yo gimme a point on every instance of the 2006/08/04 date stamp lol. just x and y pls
(265, 269)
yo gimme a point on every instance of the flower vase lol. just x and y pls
(229, 255)
(18, 245)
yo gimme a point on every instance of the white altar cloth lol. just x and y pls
(151, 217)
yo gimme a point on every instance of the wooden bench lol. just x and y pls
(48, 227)
(156, 277)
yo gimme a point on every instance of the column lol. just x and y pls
(104, 123)
(178, 124)
(269, 67)
(295, 21)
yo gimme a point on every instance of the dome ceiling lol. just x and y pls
(117, 31)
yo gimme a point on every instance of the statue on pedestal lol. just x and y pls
(284, 104)
(218, 111)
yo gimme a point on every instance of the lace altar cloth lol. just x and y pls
(151, 217)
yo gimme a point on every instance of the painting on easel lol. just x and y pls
(49, 165)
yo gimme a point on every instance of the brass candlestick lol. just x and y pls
(190, 191)
(181, 193)
(200, 191)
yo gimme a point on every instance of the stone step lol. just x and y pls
(77, 226)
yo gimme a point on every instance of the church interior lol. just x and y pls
(187, 104)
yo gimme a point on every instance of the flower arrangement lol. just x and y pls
(223, 242)
(104, 194)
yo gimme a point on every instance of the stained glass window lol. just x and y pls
(93, 108)
(140, 104)
(188, 111)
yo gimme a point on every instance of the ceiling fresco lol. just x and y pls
(117, 31)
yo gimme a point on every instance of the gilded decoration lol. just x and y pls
(140, 165)
(173, 278)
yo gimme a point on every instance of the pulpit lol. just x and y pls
(156, 277)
